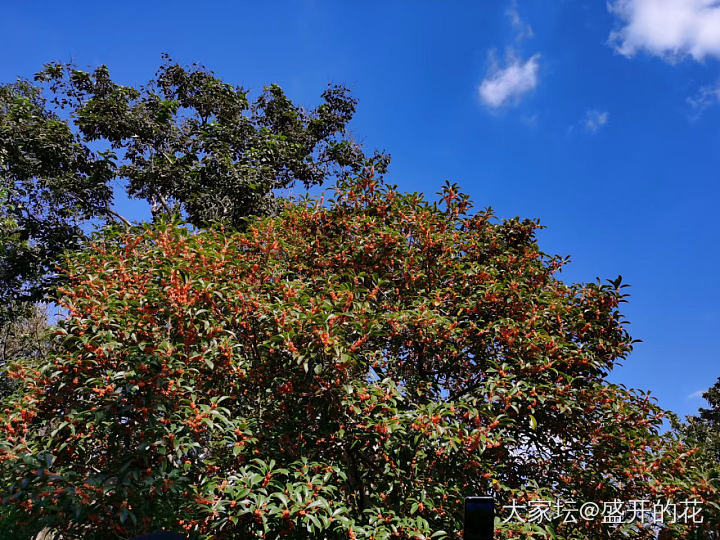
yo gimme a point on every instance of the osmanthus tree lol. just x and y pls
(702, 431)
(352, 368)
(187, 142)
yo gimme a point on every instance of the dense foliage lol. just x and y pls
(702, 431)
(28, 336)
(49, 185)
(188, 138)
(347, 369)
(186, 142)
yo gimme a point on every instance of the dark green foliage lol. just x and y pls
(189, 141)
(50, 182)
(186, 143)
(703, 433)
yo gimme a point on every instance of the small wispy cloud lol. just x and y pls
(706, 97)
(594, 120)
(697, 394)
(530, 120)
(670, 29)
(522, 29)
(508, 84)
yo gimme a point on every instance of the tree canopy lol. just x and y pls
(349, 368)
(702, 431)
(186, 142)
(50, 184)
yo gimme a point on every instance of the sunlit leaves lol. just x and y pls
(350, 368)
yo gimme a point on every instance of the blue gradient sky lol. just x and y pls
(612, 141)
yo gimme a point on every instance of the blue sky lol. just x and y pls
(602, 120)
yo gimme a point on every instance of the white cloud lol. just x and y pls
(670, 29)
(706, 97)
(697, 394)
(594, 120)
(509, 84)
(522, 29)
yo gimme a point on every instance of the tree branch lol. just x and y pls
(118, 216)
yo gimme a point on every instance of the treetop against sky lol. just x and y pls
(599, 118)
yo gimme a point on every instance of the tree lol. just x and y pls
(27, 340)
(50, 184)
(186, 142)
(706, 428)
(346, 369)
(27, 337)
(702, 431)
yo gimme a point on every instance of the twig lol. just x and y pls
(118, 216)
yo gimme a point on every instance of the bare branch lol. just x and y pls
(118, 216)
